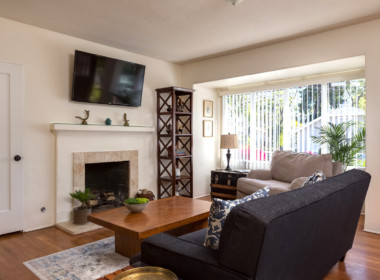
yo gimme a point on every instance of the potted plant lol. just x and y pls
(81, 212)
(136, 205)
(342, 148)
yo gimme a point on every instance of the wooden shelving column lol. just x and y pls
(174, 141)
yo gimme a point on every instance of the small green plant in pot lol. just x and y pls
(136, 205)
(81, 212)
(342, 148)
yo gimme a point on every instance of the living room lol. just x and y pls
(47, 57)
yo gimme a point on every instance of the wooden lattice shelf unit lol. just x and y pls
(174, 141)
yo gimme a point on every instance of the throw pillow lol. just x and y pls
(218, 213)
(316, 177)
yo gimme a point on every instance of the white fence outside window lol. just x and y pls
(284, 119)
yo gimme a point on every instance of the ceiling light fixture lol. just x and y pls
(234, 2)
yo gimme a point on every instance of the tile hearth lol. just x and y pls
(72, 229)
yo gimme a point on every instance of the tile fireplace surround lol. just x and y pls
(81, 159)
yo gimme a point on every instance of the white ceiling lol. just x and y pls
(181, 31)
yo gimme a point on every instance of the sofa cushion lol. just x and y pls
(195, 237)
(248, 186)
(287, 166)
(313, 178)
(219, 211)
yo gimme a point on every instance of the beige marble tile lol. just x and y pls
(108, 157)
(126, 155)
(133, 182)
(94, 157)
(78, 188)
(117, 156)
(78, 174)
(78, 158)
(99, 157)
(89, 158)
(134, 156)
(72, 229)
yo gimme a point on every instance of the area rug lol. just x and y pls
(89, 261)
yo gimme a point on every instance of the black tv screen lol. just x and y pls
(104, 80)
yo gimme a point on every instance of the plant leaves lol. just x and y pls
(342, 148)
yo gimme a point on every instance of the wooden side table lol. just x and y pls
(223, 183)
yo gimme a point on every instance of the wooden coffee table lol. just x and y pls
(177, 215)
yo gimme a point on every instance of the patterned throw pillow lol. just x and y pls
(218, 213)
(316, 177)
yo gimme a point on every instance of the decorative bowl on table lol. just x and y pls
(136, 205)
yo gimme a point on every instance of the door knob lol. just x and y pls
(17, 158)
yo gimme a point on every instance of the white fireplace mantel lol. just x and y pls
(55, 127)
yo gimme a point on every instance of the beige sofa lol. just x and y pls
(287, 172)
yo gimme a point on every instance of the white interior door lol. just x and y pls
(11, 148)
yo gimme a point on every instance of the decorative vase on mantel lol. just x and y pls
(108, 121)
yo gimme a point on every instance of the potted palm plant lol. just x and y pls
(342, 148)
(81, 212)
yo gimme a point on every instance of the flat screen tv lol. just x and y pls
(105, 80)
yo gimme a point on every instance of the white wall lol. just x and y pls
(48, 61)
(205, 149)
(361, 39)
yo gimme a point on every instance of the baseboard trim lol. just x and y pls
(37, 228)
(368, 230)
(371, 231)
(202, 195)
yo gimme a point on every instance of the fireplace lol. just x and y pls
(111, 176)
(108, 182)
(78, 145)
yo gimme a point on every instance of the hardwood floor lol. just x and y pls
(362, 261)
(17, 248)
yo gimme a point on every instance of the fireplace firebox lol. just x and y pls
(108, 182)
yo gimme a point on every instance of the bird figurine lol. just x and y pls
(126, 122)
(84, 120)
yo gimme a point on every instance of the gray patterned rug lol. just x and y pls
(89, 261)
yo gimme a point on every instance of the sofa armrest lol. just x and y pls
(187, 260)
(261, 174)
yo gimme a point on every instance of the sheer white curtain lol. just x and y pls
(257, 118)
(286, 118)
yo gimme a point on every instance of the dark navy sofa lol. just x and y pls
(296, 235)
